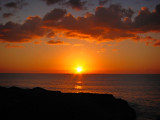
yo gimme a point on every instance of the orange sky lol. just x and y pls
(109, 38)
(122, 57)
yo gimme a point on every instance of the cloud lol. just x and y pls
(37, 41)
(13, 46)
(113, 17)
(58, 42)
(7, 15)
(17, 4)
(30, 29)
(104, 25)
(147, 21)
(50, 34)
(157, 43)
(51, 2)
(11, 5)
(76, 4)
(148, 40)
(102, 2)
(158, 8)
(54, 15)
(112, 23)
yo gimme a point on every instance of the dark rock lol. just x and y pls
(38, 103)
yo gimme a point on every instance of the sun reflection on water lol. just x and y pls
(78, 83)
(78, 87)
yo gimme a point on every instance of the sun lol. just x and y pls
(79, 69)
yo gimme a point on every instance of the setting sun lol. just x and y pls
(79, 69)
(80, 46)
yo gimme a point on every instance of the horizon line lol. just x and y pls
(85, 73)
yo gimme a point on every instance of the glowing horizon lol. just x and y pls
(108, 37)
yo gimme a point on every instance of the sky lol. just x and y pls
(100, 36)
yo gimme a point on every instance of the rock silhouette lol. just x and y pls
(38, 103)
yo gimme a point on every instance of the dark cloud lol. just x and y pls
(33, 27)
(158, 8)
(54, 15)
(7, 15)
(112, 16)
(105, 24)
(21, 3)
(51, 2)
(76, 4)
(30, 29)
(11, 5)
(111, 23)
(147, 21)
(16, 4)
(102, 2)
(57, 42)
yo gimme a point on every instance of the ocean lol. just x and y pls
(142, 91)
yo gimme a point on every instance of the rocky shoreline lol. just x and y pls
(39, 103)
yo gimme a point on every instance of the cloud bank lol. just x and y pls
(112, 23)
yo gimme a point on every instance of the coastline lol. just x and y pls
(39, 103)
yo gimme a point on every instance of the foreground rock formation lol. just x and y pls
(38, 103)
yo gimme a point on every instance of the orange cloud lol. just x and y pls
(157, 43)
(13, 46)
(58, 42)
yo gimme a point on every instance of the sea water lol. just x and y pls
(142, 91)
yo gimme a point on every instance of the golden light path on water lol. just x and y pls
(78, 81)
